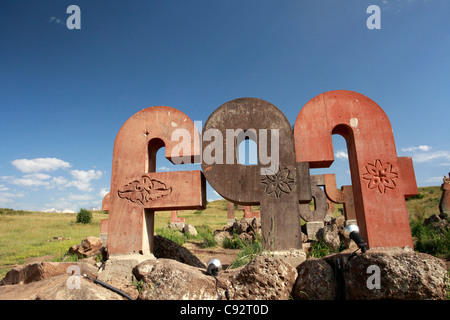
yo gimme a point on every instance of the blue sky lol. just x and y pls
(64, 94)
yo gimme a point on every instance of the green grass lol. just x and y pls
(30, 234)
(248, 251)
(424, 204)
(427, 239)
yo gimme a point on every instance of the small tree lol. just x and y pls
(84, 216)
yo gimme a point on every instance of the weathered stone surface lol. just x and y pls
(404, 275)
(118, 272)
(444, 203)
(176, 226)
(329, 234)
(167, 279)
(88, 247)
(166, 248)
(439, 222)
(137, 191)
(56, 288)
(190, 229)
(38, 271)
(277, 187)
(312, 228)
(265, 278)
(381, 179)
(292, 256)
(315, 281)
(221, 235)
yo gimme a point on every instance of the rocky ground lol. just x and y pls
(179, 272)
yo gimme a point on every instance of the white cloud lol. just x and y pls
(29, 180)
(103, 192)
(341, 154)
(86, 176)
(83, 178)
(56, 20)
(7, 197)
(37, 176)
(71, 202)
(419, 148)
(59, 180)
(40, 164)
(434, 179)
(163, 169)
(79, 197)
(425, 157)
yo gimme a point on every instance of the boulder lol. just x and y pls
(91, 246)
(167, 279)
(38, 271)
(167, 249)
(61, 287)
(118, 272)
(438, 222)
(220, 236)
(392, 273)
(176, 226)
(189, 229)
(264, 278)
(245, 237)
(292, 256)
(315, 281)
(241, 226)
(329, 235)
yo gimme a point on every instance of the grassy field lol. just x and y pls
(31, 234)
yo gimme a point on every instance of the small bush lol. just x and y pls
(84, 216)
(209, 241)
(417, 196)
(248, 252)
(319, 250)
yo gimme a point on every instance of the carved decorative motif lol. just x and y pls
(381, 176)
(278, 183)
(144, 190)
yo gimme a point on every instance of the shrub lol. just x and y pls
(319, 249)
(248, 251)
(84, 216)
(417, 196)
(209, 241)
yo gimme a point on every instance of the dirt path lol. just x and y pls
(226, 256)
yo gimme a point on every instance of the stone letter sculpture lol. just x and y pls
(380, 179)
(137, 191)
(278, 191)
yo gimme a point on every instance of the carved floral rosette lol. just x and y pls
(278, 183)
(380, 176)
